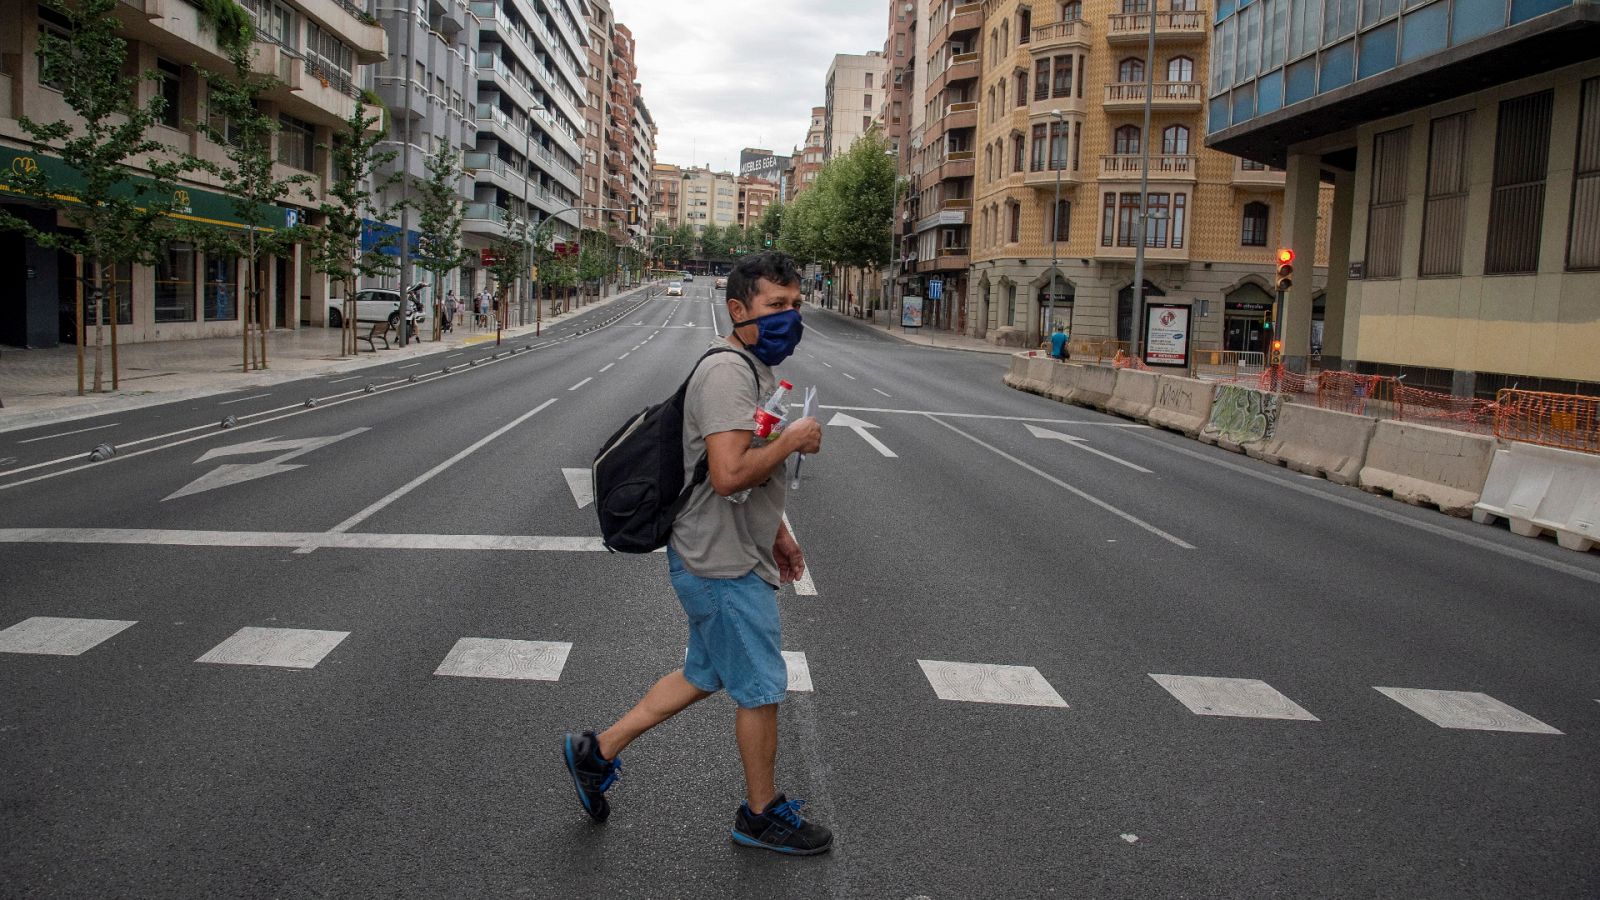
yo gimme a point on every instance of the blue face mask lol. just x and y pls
(779, 333)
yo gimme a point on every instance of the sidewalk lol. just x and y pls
(925, 337)
(41, 385)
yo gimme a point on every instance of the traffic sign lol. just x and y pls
(935, 288)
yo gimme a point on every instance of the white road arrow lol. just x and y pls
(1078, 442)
(581, 483)
(236, 473)
(860, 427)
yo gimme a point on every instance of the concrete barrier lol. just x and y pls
(1094, 387)
(1424, 465)
(1063, 383)
(1240, 416)
(1539, 489)
(1318, 442)
(1037, 380)
(1133, 394)
(1181, 404)
(1019, 371)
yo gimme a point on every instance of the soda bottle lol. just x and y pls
(770, 416)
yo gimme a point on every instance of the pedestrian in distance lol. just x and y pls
(1058, 344)
(728, 552)
(452, 303)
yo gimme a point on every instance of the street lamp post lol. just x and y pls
(1055, 217)
(894, 201)
(1137, 343)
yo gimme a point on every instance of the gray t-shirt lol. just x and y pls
(717, 538)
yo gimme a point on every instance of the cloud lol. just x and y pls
(719, 76)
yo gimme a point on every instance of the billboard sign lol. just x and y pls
(764, 166)
(1166, 335)
(910, 312)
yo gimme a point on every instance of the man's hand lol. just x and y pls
(786, 551)
(804, 436)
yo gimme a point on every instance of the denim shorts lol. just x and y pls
(734, 643)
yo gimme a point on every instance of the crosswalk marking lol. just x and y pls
(59, 636)
(289, 648)
(505, 658)
(1243, 697)
(990, 683)
(799, 670)
(581, 483)
(1465, 709)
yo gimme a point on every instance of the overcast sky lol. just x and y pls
(720, 75)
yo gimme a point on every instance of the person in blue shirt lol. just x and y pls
(1058, 344)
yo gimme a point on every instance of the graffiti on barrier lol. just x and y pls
(1175, 395)
(1242, 415)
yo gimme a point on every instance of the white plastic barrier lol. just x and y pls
(1538, 489)
(1181, 404)
(1133, 394)
(1421, 464)
(1318, 442)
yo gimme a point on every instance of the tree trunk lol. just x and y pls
(82, 333)
(116, 367)
(99, 327)
(265, 317)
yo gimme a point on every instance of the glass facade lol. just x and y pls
(1270, 54)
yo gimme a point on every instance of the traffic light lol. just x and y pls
(1285, 269)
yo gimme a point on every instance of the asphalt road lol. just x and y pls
(379, 530)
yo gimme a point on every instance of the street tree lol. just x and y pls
(769, 227)
(336, 246)
(508, 261)
(113, 185)
(439, 217)
(859, 186)
(596, 257)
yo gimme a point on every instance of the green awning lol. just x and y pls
(193, 204)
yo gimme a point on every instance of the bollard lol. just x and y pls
(102, 452)
(369, 388)
(311, 402)
(445, 370)
(412, 379)
(229, 422)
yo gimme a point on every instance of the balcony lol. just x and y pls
(1253, 179)
(962, 66)
(946, 260)
(1049, 38)
(484, 218)
(1129, 166)
(1045, 179)
(1172, 26)
(1125, 253)
(957, 164)
(1168, 95)
(966, 17)
(355, 25)
(961, 115)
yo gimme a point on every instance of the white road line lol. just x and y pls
(990, 683)
(409, 365)
(291, 648)
(243, 399)
(66, 433)
(886, 395)
(422, 479)
(625, 355)
(848, 375)
(957, 415)
(804, 586)
(828, 364)
(581, 383)
(504, 658)
(454, 355)
(1121, 514)
(54, 636)
(349, 378)
(607, 366)
(292, 540)
(1465, 709)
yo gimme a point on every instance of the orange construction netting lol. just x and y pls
(1567, 421)
(1124, 361)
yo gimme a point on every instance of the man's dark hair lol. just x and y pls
(772, 265)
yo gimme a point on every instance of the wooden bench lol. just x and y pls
(380, 331)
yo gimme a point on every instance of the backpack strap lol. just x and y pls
(702, 469)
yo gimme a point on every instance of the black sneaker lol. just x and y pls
(781, 828)
(592, 774)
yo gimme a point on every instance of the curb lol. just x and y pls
(998, 351)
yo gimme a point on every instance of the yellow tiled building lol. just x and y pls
(1061, 105)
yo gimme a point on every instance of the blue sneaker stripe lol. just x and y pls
(748, 841)
(572, 768)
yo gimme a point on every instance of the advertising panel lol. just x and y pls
(765, 167)
(911, 312)
(1166, 335)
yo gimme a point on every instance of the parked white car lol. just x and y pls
(375, 305)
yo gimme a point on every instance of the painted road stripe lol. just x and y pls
(606, 367)
(959, 415)
(581, 483)
(1081, 494)
(1243, 697)
(61, 434)
(348, 378)
(581, 383)
(990, 683)
(409, 365)
(454, 355)
(625, 355)
(805, 587)
(828, 364)
(288, 648)
(503, 658)
(848, 375)
(243, 399)
(1465, 709)
(799, 670)
(57, 636)
(298, 539)
(881, 392)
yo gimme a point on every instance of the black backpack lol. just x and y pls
(638, 473)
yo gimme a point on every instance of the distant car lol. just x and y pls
(722, 284)
(688, 276)
(675, 289)
(373, 305)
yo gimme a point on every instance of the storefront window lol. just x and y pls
(222, 288)
(174, 284)
(120, 279)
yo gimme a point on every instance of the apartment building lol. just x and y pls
(1462, 141)
(317, 50)
(431, 77)
(709, 198)
(666, 197)
(531, 59)
(1060, 113)
(755, 195)
(619, 141)
(808, 160)
(854, 90)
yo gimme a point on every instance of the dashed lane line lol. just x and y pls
(886, 395)
(62, 434)
(243, 399)
(848, 375)
(409, 365)
(581, 383)
(606, 367)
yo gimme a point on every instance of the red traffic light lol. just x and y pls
(1285, 256)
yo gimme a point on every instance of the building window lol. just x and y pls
(1583, 233)
(1125, 140)
(1062, 85)
(297, 144)
(1130, 71)
(174, 284)
(1071, 12)
(866, 101)
(221, 288)
(274, 21)
(1058, 145)
(52, 23)
(120, 281)
(1108, 221)
(1386, 216)
(866, 123)
(1016, 222)
(1002, 88)
(1158, 217)
(1041, 80)
(1253, 229)
(1175, 140)
(1128, 219)
(170, 84)
(1024, 25)
(1038, 148)
(1077, 144)
(1180, 69)
(1250, 165)
(869, 81)
(1016, 153)
(1022, 89)
(1444, 212)
(1180, 209)
(1059, 226)
(1516, 208)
